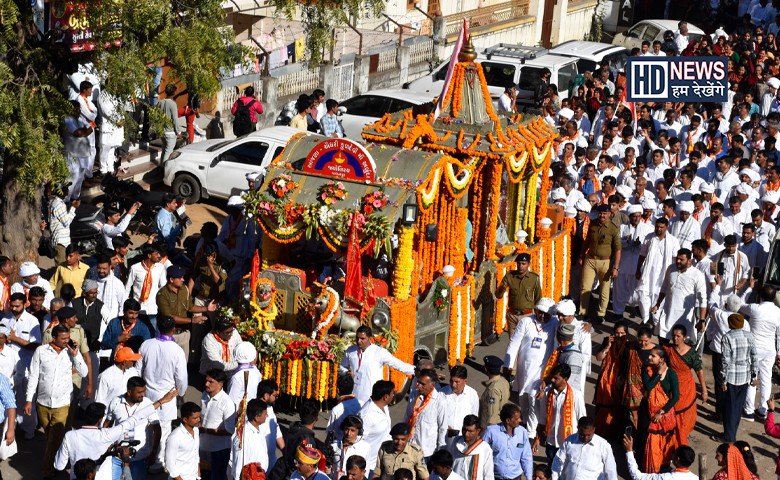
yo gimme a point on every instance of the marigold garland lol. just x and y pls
(328, 316)
(403, 316)
(461, 312)
(494, 199)
(404, 264)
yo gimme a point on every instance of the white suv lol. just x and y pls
(589, 55)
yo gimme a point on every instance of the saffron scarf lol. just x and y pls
(416, 411)
(708, 232)
(147, 287)
(568, 412)
(771, 187)
(472, 467)
(5, 294)
(52, 325)
(552, 361)
(689, 148)
(231, 240)
(225, 347)
(585, 226)
(735, 465)
(56, 348)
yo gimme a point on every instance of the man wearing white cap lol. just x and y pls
(254, 180)
(624, 192)
(242, 236)
(572, 135)
(769, 99)
(246, 377)
(31, 277)
(769, 206)
(746, 193)
(572, 194)
(582, 223)
(632, 236)
(648, 211)
(655, 256)
(531, 346)
(684, 227)
(558, 196)
(566, 312)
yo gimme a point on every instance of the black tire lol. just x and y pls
(187, 187)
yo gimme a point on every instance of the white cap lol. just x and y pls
(447, 270)
(28, 269)
(565, 307)
(245, 352)
(686, 206)
(707, 188)
(570, 212)
(773, 82)
(744, 189)
(648, 204)
(582, 205)
(634, 209)
(545, 304)
(235, 201)
(566, 113)
(558, 194)
(624, 191)
(771, 197)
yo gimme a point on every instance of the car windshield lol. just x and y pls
(219, 145)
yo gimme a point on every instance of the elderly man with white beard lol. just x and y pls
(632, 236)
(656, 255)
(566, 310)
(685, 291)
(684, 227)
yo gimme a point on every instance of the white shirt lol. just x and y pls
(270, 431)
(112, 382)
(477, 464)
(764, 320)
(181, 453)
(430, 428)
(119, 410)
(531, 345)
(505, 103)
(367, 369)
(718, 324)
(591, 461)
(376, 428)
(720, 230)
(112, 293)
(636, 474)
(212, 353)
(163, 366)
(557, 439)
(348, 405)
(111, 231)
(9, 359)
(458, 406)
(252, 450)
(765, 234)
(236, 385)
(685, 291)
(755, 253)
(361, 448)
(51, 376)
(92, 442)
(22, 287)
(135, 283)
(453, 476)
(731, 277)
(218, 411)
(27, 328)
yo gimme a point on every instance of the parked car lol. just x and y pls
(218, 168)
(591, 54)
(362, 110)
(505, 64)
(652, 30)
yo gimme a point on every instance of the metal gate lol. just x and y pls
(343, 88)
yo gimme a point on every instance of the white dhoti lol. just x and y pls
(659, 254)
(623, 289)
(28, 423)
(109, 141)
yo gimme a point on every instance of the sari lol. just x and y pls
(633, 391)
(685, 409)
(661, 441)
(735, 468)
(610, 386)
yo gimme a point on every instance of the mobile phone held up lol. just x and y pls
(629, 431)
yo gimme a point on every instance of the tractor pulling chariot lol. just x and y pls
(412, 224)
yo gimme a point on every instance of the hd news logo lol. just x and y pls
(677, 79)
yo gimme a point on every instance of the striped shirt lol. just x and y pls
(60, 218)
(7, 397)
(740, 363)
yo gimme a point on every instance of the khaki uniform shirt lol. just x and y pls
(602, 241)
(78, 335)
(619, 219)
(412, 457)
(524, 291)
(178, 304)
(494, 397)
(208, 288)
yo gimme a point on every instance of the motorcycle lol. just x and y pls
(86, 229)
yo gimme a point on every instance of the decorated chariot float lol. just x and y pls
(408, 232)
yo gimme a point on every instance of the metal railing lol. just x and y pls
(304, 80)
(421, 52)
(387, 60)
(490, 14)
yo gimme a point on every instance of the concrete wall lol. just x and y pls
(578, 19)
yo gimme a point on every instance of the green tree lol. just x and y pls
(189, 36)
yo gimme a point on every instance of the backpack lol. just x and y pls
(242, 120)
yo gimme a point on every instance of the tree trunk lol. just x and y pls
(20, 230)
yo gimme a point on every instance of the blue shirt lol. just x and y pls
(7, 397)
(511, 455)
(140, 332)
(167, 228)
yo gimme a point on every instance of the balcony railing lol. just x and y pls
(488, 15)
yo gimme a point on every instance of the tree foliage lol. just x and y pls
(320, 17)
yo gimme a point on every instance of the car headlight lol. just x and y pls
(174, 156)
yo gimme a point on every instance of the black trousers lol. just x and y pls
(550, 451)
(732, 410)
(720, 396)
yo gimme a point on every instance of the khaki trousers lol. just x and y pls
(183, 340)
(53, 423)
(594, 268)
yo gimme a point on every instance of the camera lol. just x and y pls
(124, 450)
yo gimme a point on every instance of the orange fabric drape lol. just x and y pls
(632, 395)
(609, 394)
(661, 441)
(146, 289)
(685, 410)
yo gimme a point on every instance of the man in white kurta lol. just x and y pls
(427, 415)
(632, 236)
(736, 267)
(365, 362)
(566, 310)
(656, 255)
(684, 290)
(684, 227)
(250, 447)
(88, 114)
(112, 131)
(715, 230)
(531, 346)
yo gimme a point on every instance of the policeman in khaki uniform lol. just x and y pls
(524, 291)
(399, 453)
(600, 259)
(496, 393)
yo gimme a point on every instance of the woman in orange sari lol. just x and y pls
(608, 398)
(657, 422)
(732, 464)
(683, 358)
(638, 357)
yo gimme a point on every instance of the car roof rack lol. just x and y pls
(522, 52)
